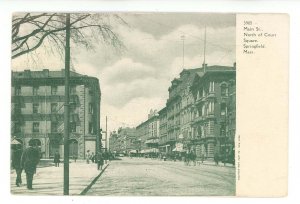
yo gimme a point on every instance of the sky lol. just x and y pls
(136, 78)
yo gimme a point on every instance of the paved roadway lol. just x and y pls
(151, 177)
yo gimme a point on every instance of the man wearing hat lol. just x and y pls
(16, 162)
(30, 159)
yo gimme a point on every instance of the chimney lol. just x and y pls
(234, 65)
(27, 73)
(63, 72)
(46, 72)
(204, 67)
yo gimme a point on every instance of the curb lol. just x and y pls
(93, 182)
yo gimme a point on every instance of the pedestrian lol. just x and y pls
(185, 158)
(56, 159)
(87, 156)
(193, 157)
(202, 158)
(99, 160)
(29, 160)
(216, 158)
(188, 157)
(93, 157)
(75, 158)
(16, 162)
(105, 156)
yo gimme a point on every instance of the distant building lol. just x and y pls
(113, 141)
(123, 141)
(163, 129)
(37, 111)
(148, 133)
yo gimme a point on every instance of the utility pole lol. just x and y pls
(182, 38)
(204, 46)
(106, 132)
(66, 107)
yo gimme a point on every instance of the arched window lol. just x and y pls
(224, 89)
(53, 147)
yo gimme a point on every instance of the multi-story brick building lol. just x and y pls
(38, 111)
(148, 132)
(163, 129)
(113, 142)
(124, 141)
(179, 110)
(173, 115)
(214, 111)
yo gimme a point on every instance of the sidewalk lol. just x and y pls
(49, 180)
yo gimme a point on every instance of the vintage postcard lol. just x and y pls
(149, 104)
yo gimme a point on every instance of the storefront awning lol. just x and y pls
(151, 141)
(15, 142)
(152, 150)
(178, 149)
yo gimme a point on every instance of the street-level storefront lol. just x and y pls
(164, 148)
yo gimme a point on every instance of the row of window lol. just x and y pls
(54, 108)
(54, 127)
(202, 92)
(35, 90)
(201, 130)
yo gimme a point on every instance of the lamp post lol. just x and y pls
(225, 139)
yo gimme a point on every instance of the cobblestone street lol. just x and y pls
(152, 177)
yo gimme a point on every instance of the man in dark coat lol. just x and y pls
(99, 160)
(30, 159)
(105, 156)
(56, 159)
(16, 162)
(193, 157)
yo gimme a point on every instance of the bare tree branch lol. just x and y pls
(29, 31)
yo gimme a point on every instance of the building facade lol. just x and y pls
(173, 115)
(163, 129)
(123, 141)
(179, 111)
(213, 124)
(113, 142)
(148, 133)
(37, 111)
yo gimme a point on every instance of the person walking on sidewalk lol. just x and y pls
(87, 156)
(105, 156)
(216, 158)
(29, 160)
(93, 157)
(99, 160)
(16, 162)
(56, 159)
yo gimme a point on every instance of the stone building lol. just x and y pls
(37, 111)
(113, 142)
(213, 125)
(179, 111)
(163, 129)
(123, 141)
(148, 133)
